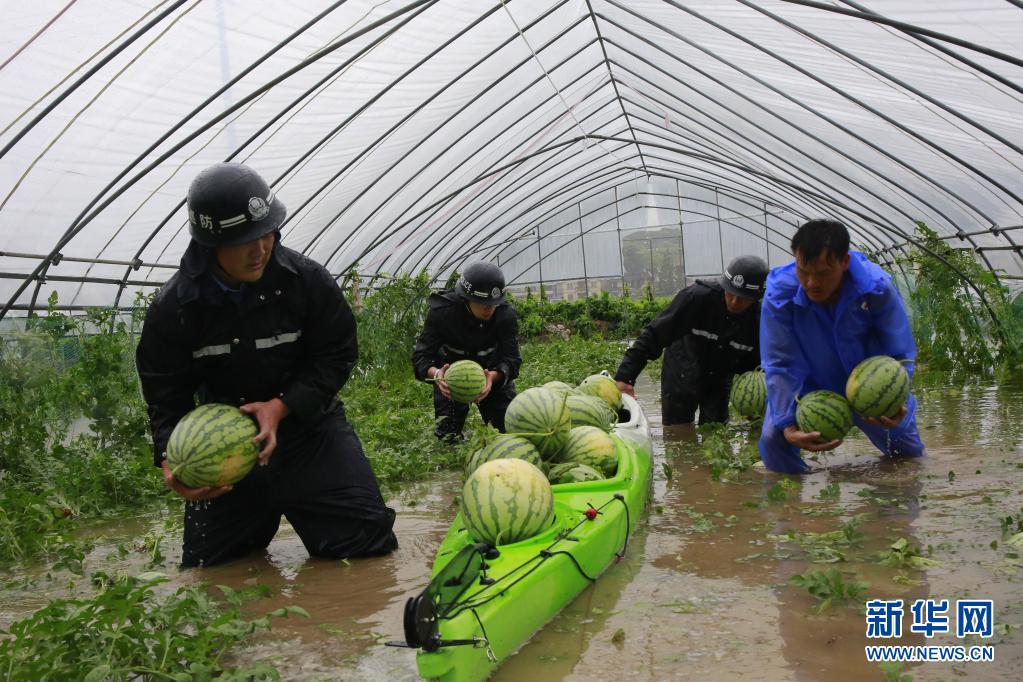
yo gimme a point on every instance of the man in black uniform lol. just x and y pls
(471, 322)
(711, 332)
(249, 322)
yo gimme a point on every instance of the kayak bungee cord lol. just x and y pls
(590, 514)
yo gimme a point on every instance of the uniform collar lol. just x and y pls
(195, 263)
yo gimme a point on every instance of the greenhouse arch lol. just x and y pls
(550, 137)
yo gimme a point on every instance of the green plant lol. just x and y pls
(127, 631)
(901, 554)
(954, 331)
(829, 587)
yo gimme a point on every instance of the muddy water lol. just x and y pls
(704, 592)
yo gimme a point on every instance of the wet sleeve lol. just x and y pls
(783, 362)
(670, 325)
(891, 324)
(508, 359)
(331, 349)
(164, 364)
(426, 353)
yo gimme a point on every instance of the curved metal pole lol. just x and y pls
(181, 122)
(316, 147)
(912, 170)
(483, 202)
(806, 107)
(84, 220)
(910, 28)
(798, 150)
(358, 228)
(618, 95)
(941, 48)
(863, 105)
(86, 76)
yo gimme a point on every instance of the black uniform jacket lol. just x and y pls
(451, 333)
(292, 337)
(715, 345)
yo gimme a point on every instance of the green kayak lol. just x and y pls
(484, 603)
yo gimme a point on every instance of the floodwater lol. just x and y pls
(704, 592)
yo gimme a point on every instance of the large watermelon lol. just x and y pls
(212, 446)
(505, 501)
(878, 387)
(589, 410)
(749, 394)
(465, 380)
(573, 472)
(591, 446)
(504, 445)
(559, 387)
(540, 416)
(604, 387)
(824, 411)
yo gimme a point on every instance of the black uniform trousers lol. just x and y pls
(681, 398)
(319, 480)
(451, 415)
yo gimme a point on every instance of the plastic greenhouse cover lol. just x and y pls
(539, 134)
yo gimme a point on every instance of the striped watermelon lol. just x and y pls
(540, 416)
(212, 446)
(589, 410)
(591, 446)
(465, 380)
(878, 387)
(503, 445)
(604, 387)
(749, 394)
(559, 387)
(505, 501)
(573, 472)
(824, 411)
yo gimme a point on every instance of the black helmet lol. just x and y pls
(481, 282)
(230, 204)
(745, 276)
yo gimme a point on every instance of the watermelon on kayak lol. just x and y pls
(484, 602)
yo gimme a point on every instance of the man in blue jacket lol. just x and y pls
(821, 316)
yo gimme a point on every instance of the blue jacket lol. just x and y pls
(806, 346)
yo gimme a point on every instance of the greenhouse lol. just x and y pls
(537, 204)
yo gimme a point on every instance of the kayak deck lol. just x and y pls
(494, 605)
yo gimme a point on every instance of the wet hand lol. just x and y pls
(809, 440)
(191, 494)
(492, 376)
(438, 380)
(268, 415)
(625, 388)
(888, 422)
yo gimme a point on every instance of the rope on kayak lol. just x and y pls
(628, 525)
(543, 555)
(486, 639)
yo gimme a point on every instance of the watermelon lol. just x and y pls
(505, 501)
(212, 446)
(573, 472)
(591, 446)
(878, 387)
(604, 387)
(540, 416)
(749, 394)
(503, 445)
(824, 411)
(559, 387)
(465, 380)
(589, 410)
